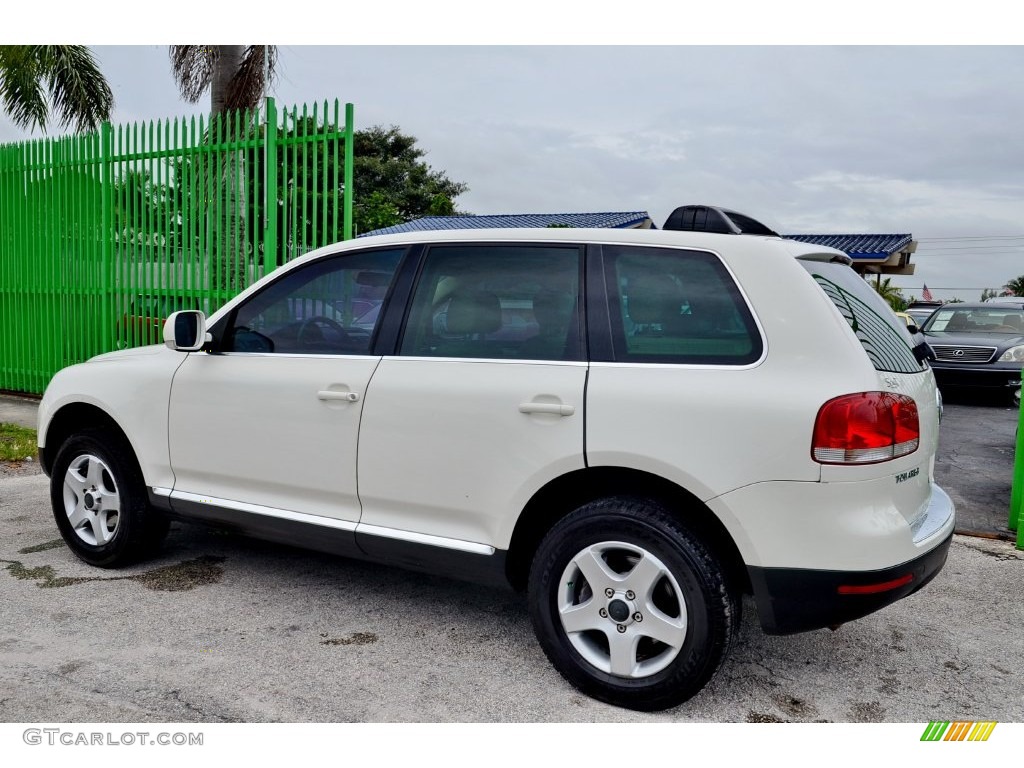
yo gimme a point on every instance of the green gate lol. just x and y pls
(103, 235)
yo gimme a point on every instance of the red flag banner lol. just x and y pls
(926, 295)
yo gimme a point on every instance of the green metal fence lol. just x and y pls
(103, 235)
(1016, 521)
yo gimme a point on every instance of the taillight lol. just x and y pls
(866, 428)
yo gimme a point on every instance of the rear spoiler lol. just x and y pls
(829, 258)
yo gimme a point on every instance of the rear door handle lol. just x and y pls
(330, 394)
(556, 408)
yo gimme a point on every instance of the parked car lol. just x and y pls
(632, 427)
(920, 311)
(1015, 300)
(977, 345)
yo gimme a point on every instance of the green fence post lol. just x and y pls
(349, 159)
(270, 190)
(106, 236)
(1017, 491)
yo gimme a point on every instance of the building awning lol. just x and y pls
(886, 254)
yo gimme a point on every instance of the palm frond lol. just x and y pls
(78, 90)
(247, 85)
(193, 66)
(21, 87)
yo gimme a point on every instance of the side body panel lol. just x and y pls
(445, 449)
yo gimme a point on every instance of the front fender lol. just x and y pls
(130, 389)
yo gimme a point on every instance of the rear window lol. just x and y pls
(884, 336)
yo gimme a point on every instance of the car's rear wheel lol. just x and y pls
(629, 606)
(99, 502)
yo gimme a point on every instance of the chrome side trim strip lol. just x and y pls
(330, 522)
(256, 509)
(161, 491)
(424, 538)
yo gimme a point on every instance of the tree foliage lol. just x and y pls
(1015, 286)
(237, 76)
(394, 183)
(37, 80)
(891, 293)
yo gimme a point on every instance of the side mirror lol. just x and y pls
(912, 327)
(185, 331)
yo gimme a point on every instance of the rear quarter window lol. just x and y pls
(884, 336)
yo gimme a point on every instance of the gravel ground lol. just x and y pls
(19, 468)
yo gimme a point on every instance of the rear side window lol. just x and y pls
(495, 301)
(884, 336)
(677, 306)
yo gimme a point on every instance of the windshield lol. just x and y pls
(1004, 320)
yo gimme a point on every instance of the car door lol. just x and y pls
(268, 423)
(483, 402)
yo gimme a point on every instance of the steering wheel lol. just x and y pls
(316, 321)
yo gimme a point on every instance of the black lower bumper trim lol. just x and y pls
(793, 600)
(987, 378)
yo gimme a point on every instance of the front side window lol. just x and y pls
(516, 302)
(677, 306)
(332, 306)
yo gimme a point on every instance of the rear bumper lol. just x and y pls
(801, 599)
(796, 600)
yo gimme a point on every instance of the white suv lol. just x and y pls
(634, 427)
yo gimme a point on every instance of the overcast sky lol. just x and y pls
(925, 140)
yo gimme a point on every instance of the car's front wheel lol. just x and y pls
(99, 502)
(629, 606)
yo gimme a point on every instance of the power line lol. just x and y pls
(978, 237)
(973, 248)
(946, 288)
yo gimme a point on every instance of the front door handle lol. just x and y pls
(556, 408)
(330, 394)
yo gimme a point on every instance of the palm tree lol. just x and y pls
(1015, 286)
(35, 79)
(235, 75)
(890, 293)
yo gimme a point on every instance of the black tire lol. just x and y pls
(689, 583)
(101, 506)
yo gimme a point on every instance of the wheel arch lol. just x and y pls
(568, 492)
(73, 418)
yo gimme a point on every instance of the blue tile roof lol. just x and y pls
(866, 248)
(859, 247)
(606, 220)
